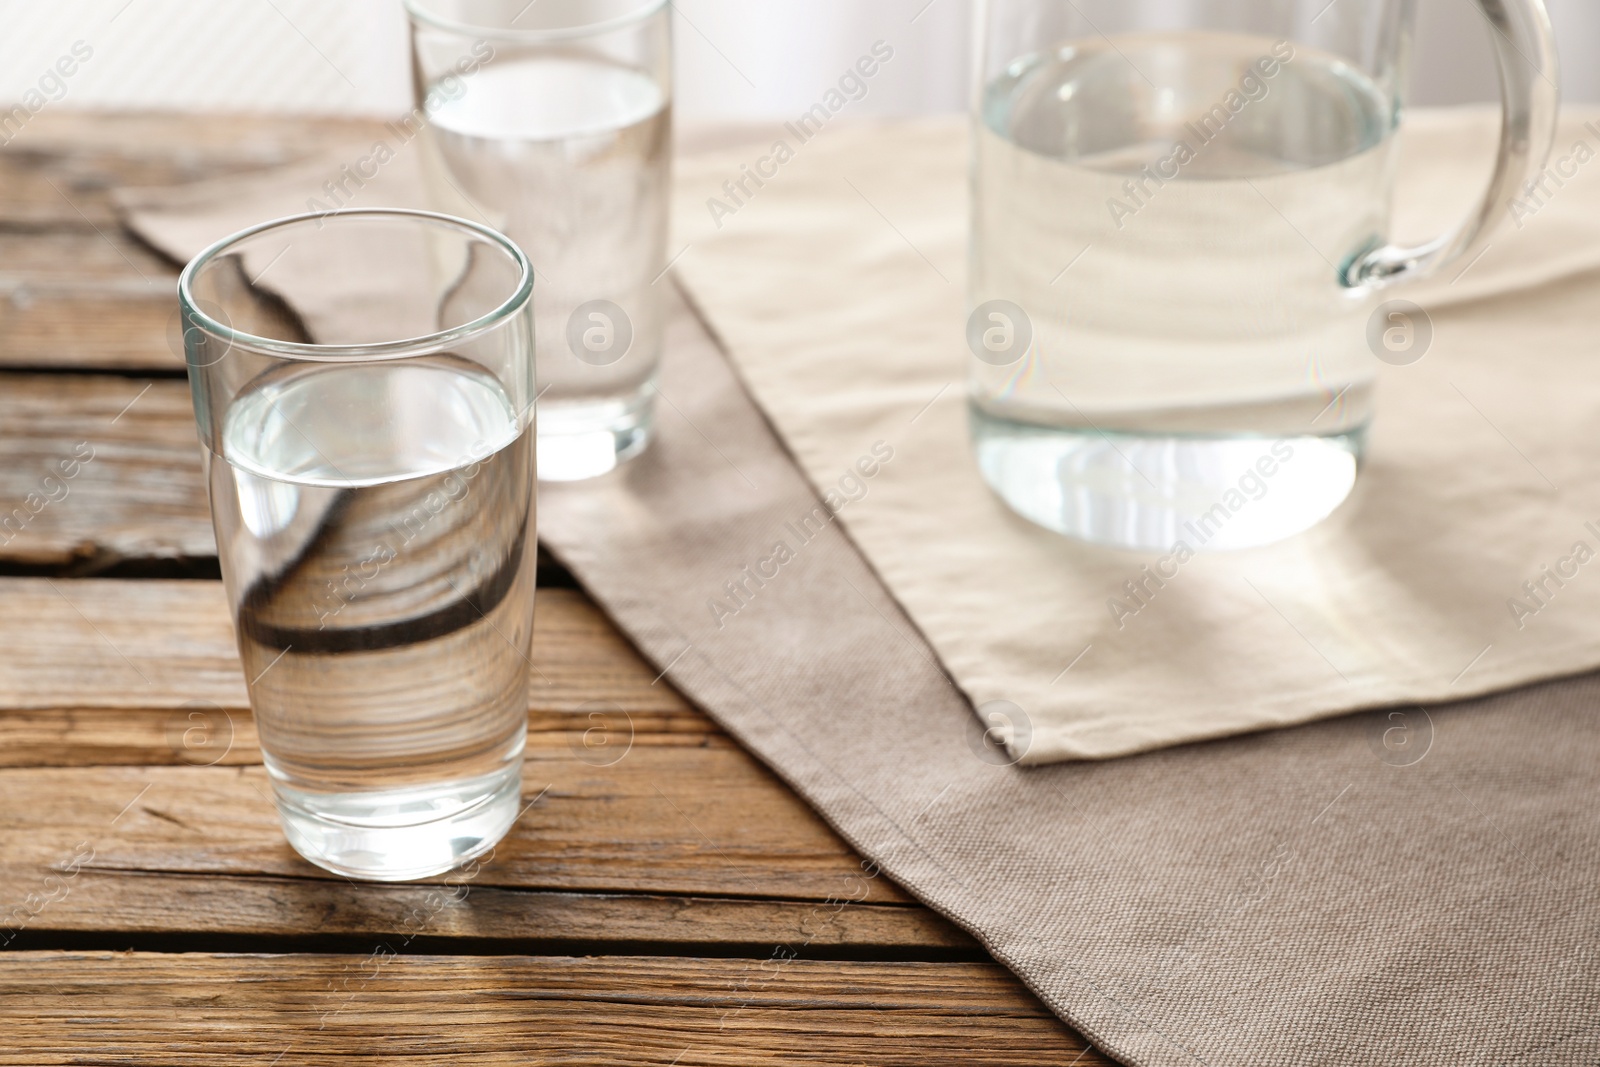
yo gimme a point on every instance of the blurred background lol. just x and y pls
(737, 59)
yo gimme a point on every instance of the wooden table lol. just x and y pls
(665, 900)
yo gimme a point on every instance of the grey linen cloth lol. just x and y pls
(1398, 888)
(1401, 888)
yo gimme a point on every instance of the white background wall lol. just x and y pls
(736, 58)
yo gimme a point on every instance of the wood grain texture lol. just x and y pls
(153, 647)
(124, 327)
(99, 469)
(111, 644)
(118, 908)
(57, 172)
(645, 795)
(76, 290)
(91, 299)
(683, 820)
(61, 1008)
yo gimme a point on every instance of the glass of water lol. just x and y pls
(364, 386)
(553, 122)
(1180, 238)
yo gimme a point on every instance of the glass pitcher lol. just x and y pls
(1180, 228)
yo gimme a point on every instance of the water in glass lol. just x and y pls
(1172, 211)
(382, 604)
(570, 155)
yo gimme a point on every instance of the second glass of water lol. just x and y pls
(364, 387)
(552, 120)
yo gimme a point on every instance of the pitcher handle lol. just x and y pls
(1525, 51)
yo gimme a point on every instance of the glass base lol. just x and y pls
(400, 835)
(585, 439)
(1148, 492)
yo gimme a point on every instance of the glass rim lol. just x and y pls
(420, 14)
(425, 344)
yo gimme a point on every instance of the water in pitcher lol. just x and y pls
(1173, 212)
(569, 156)
(383, 604)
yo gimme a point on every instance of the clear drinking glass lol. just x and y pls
(363, 384)
(1180, 231)
(553, 122)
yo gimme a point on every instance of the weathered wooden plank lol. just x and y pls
(679, 819)
(57, 171)
(109, 644)
(205, 734)
(99, 469)
(154, 647)
(189, 141)
(77, 290)
(200, 909)
(198, 850)
(645, 795)
(86, 262)
(59, 1008)
(95, 326)
(95, 298)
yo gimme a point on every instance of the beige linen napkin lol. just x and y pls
(837, 288)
